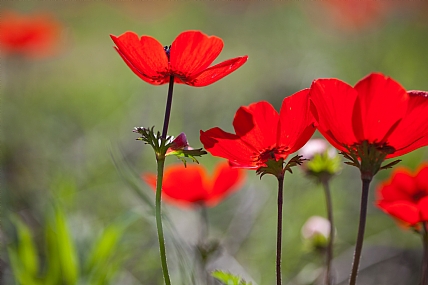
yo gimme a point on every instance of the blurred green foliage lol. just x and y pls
(61, 263)
(67, 125)
(229, 279)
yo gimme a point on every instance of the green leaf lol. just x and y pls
(272, 167)
(25, 249)
(228, 278)
(105, 247)
(63, 248)
(53, 268)
(21, 276)
(182, 154)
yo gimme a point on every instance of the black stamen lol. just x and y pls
(167, 50)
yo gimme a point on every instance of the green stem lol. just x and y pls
(160, 158)
(424, 276)
(279, 230)
(329, 204)
(160, 164)
(361, 229)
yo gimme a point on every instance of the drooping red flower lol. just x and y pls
(378, 111)
(187, 59)
(32, 35)
(262, 133)
(192, 185)
(405, 195)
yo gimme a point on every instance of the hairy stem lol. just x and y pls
(329, 257)
(361, 229)
(279, 230)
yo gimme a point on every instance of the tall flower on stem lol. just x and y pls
(323, 165)
(405, 197)
(373, 121)
(186, 61)
(263, 140)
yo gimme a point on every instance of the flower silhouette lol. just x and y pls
(405, 195)
(193, 186)
(33, 35)
(262, 133)
(187, 59)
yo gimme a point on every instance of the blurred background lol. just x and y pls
(70, 162)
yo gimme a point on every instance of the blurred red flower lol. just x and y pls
(33, 36)
(355, 14)
(262, 133)
(377, 110)
(405, 195)
(192, 185)
(187, 59)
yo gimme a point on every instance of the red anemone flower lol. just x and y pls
(405, 196)
(33, 35)
(378, 110)
(262, 133)
(192, 185)
(187, 59)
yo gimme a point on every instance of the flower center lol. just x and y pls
(167, 50)
(419, 195)
(271, 153)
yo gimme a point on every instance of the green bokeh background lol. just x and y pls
(66, 127)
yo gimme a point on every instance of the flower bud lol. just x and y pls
(316, 232)
(323, 159)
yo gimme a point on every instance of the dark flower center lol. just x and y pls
(418, 195)
(271, 153)
(167, 50)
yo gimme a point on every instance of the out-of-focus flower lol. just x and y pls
(374, 120)
(187, 59)
(33, 35)
(405, 196)
(263, 134)
(193, 186)
(316, 231)
(323, 158)
(316, 225)
(352, 15)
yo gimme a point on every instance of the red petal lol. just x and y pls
(226, 180)
(405, 182)
(296, 124)
(146, 56)
(423, 208)
(333, 105)
(217, 72)
(381, 102)
(257, 125)
(400, 187)
(182, 185)
(421, 178)
(193, 51)
(412, 132)
(402, 210)
(229, 146)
